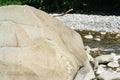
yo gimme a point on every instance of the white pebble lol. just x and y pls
(100, 69)
(88, 37)
(97, 39)
(113, 64)
(103, 32)
(116, 57)
(118, 36)
(118, 69)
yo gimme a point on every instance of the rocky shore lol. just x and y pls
(91, 22)
(101, 36)
(106, 66)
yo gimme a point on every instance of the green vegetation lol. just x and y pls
(78, 6)
(9, 2)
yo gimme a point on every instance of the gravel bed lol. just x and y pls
(91, 22)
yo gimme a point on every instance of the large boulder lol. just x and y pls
(36, 46)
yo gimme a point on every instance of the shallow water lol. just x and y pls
(109, 41)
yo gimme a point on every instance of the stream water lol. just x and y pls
(107, 42)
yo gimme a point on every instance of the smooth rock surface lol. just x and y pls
(113, 64)
(36, 46)
(110, 75)
(104, 58)
(88, 37)
(100, 69)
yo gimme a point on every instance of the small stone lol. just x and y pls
(104, 58)
(103, 32)
(88, 37)
(100, 69)
(118, 69)
(116, 57)
(97, 39)
(118, 36)
(113, 64)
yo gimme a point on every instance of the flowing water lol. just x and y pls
(106, 41)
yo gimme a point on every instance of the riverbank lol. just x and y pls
(98, 31)
(91, 22)
(101, 37)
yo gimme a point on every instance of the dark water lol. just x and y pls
(109, 41)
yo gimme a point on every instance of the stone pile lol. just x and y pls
(106, 66)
